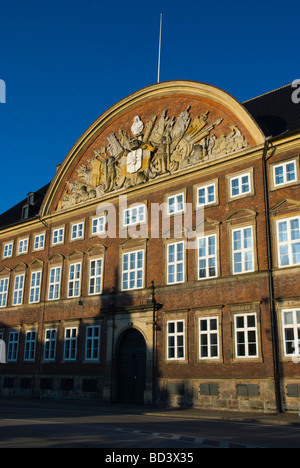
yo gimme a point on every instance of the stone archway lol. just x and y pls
(131, 367)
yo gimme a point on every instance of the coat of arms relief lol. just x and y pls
(162, 146)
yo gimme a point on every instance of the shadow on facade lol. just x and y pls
(107, 355)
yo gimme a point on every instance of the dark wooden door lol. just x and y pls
(132, 368)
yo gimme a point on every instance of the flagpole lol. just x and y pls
(159, 50)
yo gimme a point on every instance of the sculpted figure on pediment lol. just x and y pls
(159, 147)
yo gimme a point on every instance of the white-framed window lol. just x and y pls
(176, 339)
(54, 283)
(50, 344)
(7, 250)
(246, 345)
(70, 345)
(4, 283)
(206, 195)
(77, 231)
(98, 225)
(92, 343)
(175, 263)
(133, 270)
(30, 345)
(23, 246)
(74, 280)
(209, 338)
(207, 257)
(13, 346)
(176, 203)
(35, 287)
(96, 268)
(39, 242)
(288, 237)
(18, 290)
(284, 173)
(58, 236)
(240, 185)
(242, 250)
(134, 215)
(291, 331)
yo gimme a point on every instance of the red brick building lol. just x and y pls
(161, 265)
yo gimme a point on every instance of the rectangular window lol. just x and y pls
(35, 287)
(13, 346)
(176, 204)
(288, 235)
(206, 195)
(77, 231)
(176, 339)
(39, 242)
(246, 336)
(207, 257)
(74, 280)
(291, 331)
(50, 344)
(70, 347)
(284, 173)
(134, 215)
(18, 290)
(23, 246)
(209, 338)
(95, 276)
(240, 185)
(7, 251)
(98, 225)
(243, 251)
(175, 263)
(133, 270)
(30, 346)
(4, 282)
(54, 284)
(92, 348)
(58, 236)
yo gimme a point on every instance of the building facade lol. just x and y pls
(161, 265)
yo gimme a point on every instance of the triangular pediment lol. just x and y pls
(286, 205)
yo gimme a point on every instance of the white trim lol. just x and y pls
(133, 272)
(95, 276)
(54, 284)
(178, 205)
(207, 257)
(206, 194)
(77, 231)
(4, 293)
(289, 242)
(176, 263)
(18, 291)
(245, 330)
(284, 175)
(74, 280)
(70, 351)
(240, 185)
(243, 251)
(177, 344)
(208, 332)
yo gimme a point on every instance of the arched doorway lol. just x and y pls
(132, 368)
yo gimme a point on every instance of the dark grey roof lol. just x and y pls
(15, 214)
(275, 112)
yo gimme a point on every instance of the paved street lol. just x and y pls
(67, 425)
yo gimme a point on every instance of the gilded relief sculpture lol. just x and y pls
(158, 148)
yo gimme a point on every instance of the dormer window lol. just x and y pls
(30, 198)
(25, 212)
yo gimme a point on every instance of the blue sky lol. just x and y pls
(65, 62)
